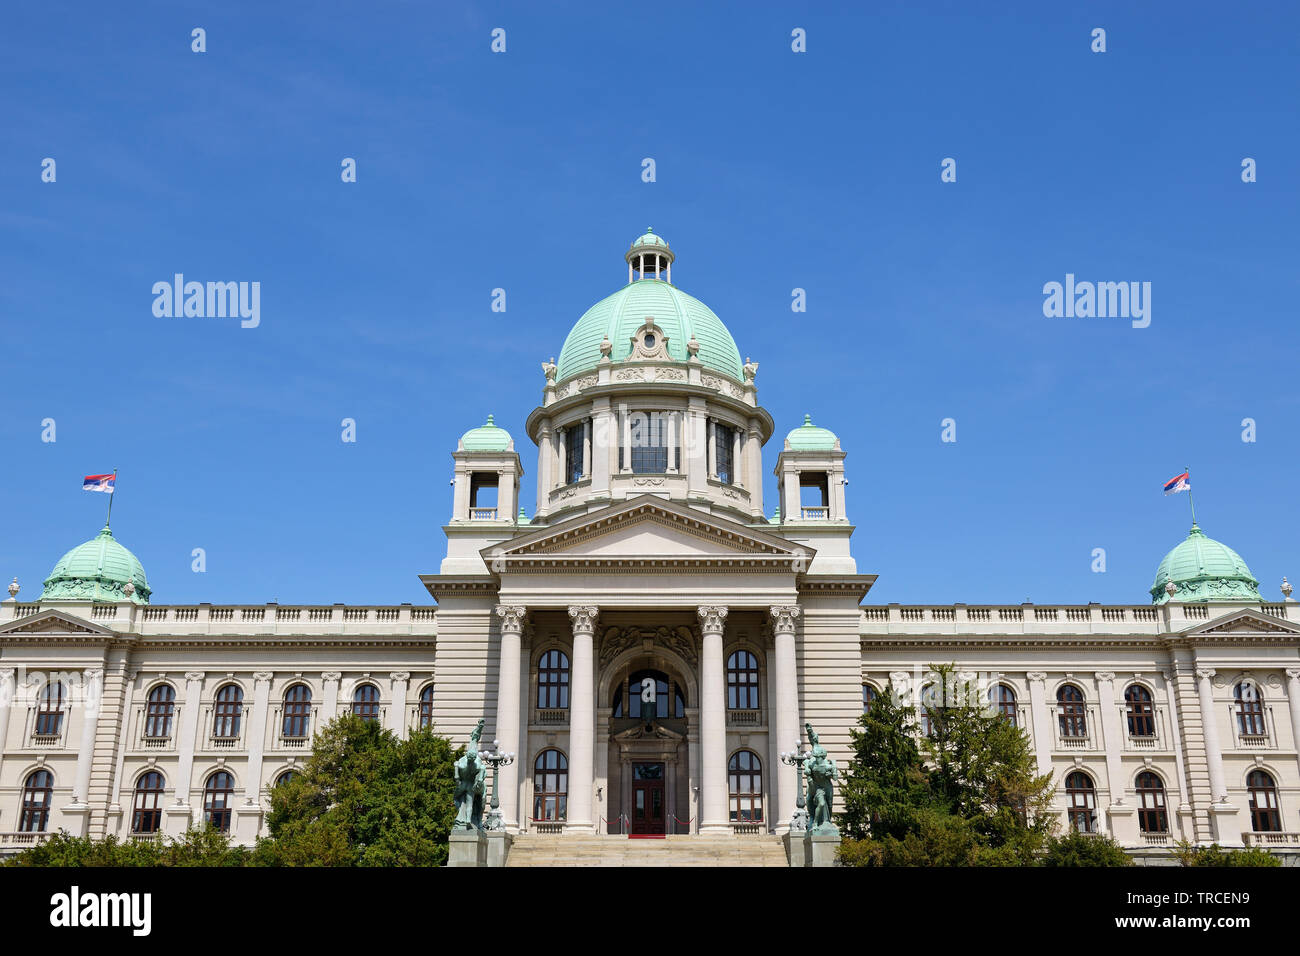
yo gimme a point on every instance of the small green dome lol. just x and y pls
(98, 570)
(486, 438)
(649, 239)
(617, 318)
(1204, 570)
(810, 437)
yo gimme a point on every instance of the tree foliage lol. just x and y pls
(364, 798)
(967, 794)
(1079, 849)
(1215, 855)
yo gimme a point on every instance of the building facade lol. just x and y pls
(649, 642)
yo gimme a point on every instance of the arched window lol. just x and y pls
(38, 794)
(1072, 714)
(297, 711)
(1003, 699)
(742, 681)
(147, 809)
(158, 709)
(869, 694)
(1264, 814)
(227, 711)
(365, 702)
(649, 683)
(1081, 802)
(426, 708)
(1141, 713)
(284, 778)
(929, 702)
(218, 797)
(49, 710)
(1250, 709)
(550, 786)
(1151, 803)
(745, 785)
(553, 681)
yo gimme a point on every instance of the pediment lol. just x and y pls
(1245, 622)
(48, 621)
(650, 528)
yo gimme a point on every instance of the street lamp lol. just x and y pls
(795, 758)
(495, 759)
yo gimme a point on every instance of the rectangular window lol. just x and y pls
(648, 436)
(724, 443)
(573, 453)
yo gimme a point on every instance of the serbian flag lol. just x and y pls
(1181, 483)
(102, 483)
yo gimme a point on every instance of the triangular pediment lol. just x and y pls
(1245, 622)
(47, 621)
(651, 528)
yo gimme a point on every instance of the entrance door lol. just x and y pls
(649, 812)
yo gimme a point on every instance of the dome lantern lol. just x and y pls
(649, 258)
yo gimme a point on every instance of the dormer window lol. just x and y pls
(649, 342)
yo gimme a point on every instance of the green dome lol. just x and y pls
(486, 438)
(810, 437)
(617, 317)
(98, 570)
(649, 239)
(1204, 570)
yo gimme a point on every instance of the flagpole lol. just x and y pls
(1189, 494)
(109, 519)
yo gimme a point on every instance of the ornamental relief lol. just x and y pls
(630, 375)
(670, 375)
(680, 640)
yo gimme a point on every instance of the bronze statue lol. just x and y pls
(820, 771)
(471, 779)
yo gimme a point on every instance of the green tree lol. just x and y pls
(197, 847)
(886, 783)
(969, 794)
(1078, 849)
(1215, 855)
(364, 798)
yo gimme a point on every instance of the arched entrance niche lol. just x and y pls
(648, 712)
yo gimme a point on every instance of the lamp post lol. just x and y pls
(495, 759)
(795, 758)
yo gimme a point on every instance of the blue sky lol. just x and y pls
(775, 170)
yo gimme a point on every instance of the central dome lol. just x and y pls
(618, 316)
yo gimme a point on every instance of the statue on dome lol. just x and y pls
(471, 780)
(820, 771)
(751, 369)
(548, 369)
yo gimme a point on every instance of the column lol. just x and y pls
(1041, 720)
(786, 706)
(561, 458)
(754, 480)
(397, 701)
(1292, 699)
(7, 704)
(627, 441)
(508, 703)
(507, 505)
(695, 443)
(713, 722)
(91, 700)
(544, 467)
(256, 736)
(713, 448)
(586, 448)
(1210, 729)
(330, 706)
(737, 463)
(670, 440)
(790, 507)
(1112, 739)
(582, 719)
(602, 445)
(186, 736)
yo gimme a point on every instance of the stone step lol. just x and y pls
(677, 850)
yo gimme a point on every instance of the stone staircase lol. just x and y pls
(531, 849)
